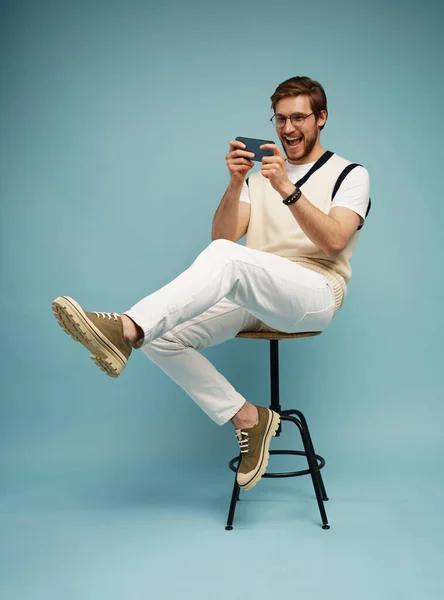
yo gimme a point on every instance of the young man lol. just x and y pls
(302, 217)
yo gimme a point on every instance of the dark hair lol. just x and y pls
(298, 86)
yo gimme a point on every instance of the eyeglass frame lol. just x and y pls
(286, 118)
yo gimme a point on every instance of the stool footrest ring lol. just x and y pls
(319, 459)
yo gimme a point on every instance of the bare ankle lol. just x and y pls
(132, 333)
(246, 417)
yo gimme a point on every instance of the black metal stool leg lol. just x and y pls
(310, 442)
(312, 464)
(275, 405)
(234, 499)
(315, 462)
(274, 380)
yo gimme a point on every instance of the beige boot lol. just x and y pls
(101, 333)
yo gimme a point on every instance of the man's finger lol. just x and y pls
(273, 148)
(271, 159)
(244, 153)
(234, 144)
(241, 160)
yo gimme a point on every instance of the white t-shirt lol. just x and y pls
(354, 192)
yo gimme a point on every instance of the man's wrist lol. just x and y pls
(235, 185)
(293, 197)
(287, 190)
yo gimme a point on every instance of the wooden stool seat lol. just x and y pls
(278, 335)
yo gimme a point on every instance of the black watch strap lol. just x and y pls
(292, 198)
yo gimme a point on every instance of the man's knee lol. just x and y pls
(222, 246)
(226, 249)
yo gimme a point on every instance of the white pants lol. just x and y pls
(229, 288)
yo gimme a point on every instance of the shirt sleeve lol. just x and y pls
(245, 194)
(354, 192)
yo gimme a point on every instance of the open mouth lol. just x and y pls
(294, 142)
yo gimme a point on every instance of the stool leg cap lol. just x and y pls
(228, 528)
(325, 526)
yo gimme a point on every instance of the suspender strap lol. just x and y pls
(318, 164)
(341, 178)
(366, 212)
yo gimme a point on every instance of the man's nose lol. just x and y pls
(288, 127)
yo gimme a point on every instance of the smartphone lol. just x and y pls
(253, 146)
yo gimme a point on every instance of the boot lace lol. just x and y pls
(243, 439)
(104, 315)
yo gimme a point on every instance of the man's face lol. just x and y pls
(300, 142)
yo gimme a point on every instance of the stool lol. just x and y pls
(315, 462)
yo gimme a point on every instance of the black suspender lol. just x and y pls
(318, 164)
(341, 178)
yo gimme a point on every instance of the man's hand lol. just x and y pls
(274, 169)
(238, 161)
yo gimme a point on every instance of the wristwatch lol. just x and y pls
(294, 197)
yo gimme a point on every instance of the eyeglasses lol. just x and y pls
(279, 121)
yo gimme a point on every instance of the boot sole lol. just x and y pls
(75, 322)
(272, 427)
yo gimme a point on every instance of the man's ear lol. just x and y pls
(322, 119)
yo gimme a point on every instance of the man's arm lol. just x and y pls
(231, 219)
(332, 232)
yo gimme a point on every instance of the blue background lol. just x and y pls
(115, 120)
